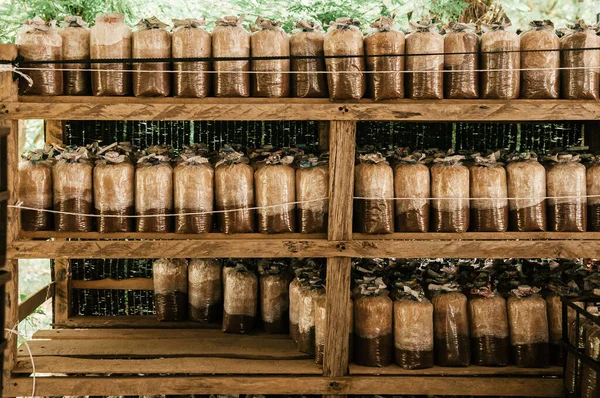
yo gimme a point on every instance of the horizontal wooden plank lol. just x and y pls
(35, 300)
(251, 248)
(135, 334)
(292, 385)
(129, 321)
(395, 370)
(179, 365)
(481, 236)
(111, 108)
(115, 284)
(165, 236)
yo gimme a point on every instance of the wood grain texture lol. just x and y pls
(35, 300)
(481, 236)
(137, 334)
(130, 108)
(115, 284)
(128, 321)
(323, 135)
(62, 289)
(164, 236)
(54, 131)
(292, 385)
(470, 371)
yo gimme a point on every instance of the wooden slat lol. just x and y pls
(35, 300)
(470, 371)
(481, 236)
(137, 334)
(128, 321)
(62, 290)
(252, 248)
(292, 385)
(115, 284)
(164, 236)
(179, 365)
(110, 108)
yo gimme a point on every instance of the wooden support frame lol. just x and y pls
(35, 300)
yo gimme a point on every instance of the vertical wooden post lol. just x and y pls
(9, 93)
(323, 135)
(341, 189)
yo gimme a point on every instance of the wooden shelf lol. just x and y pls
(131, 108)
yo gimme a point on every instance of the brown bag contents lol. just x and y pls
(204, 288)
(110, 38)
(193, 189)
(500, 50)
(565, 178)
(558, 288)
(385, 39)
(295, 287)
(528, 322)
(307, 41)
(240, 292)
(590, 382)
(540, 84)
(39, 41)
(373, 334)
(114, 185)
(580, 83)
(412, 180)
(526, 180)
(230, 39)
(170, 289)
(488, 180)
(345, 77)
(461, 45)
(154, 190)
(35, 189)
(269, 40)
(489, 329)
(152, 40)
(274, 295)
(593, 190)
(311, 276)
(374, 178)
(191, 40)
(312, 187)
(413, 327)
(451, 327)
(320, 328)
(275, 185)
(234, 189)
(76, 46)
(449, 179)
(427, 81)
(72, 181)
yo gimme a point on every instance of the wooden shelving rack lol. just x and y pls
(139, 356)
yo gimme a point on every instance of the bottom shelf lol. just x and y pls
(206, 361)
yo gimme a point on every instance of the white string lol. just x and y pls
(15, 332)
(314, 72)
(502, 198)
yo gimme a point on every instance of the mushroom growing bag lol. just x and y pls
(451, 327)
(191, 40)
(72, 180)
(152, 40)
(170, 289)
(500, 50)
(110, 38)
(590, 382)
(35, 190)
(385, 39)
(311, 286)
(307, 41)
(270, 41)
(345, 77)
(275, 186)
(412, 181)
(114, 186)
(240, 289)
(528, 322)
(40, 41)
(593, 190)
(427, 79)
(488, 180)
(193, 180)
(205, 296)
(489, 329)
(230, 39)
(566, 190)
(234, 192)
(154, 191)
(540, 84)
(374, 178)
(559, 289)
(274, 296)
(373, 332)
(294, 298)
(312, 187)
(76, 46)
(582, 81)
(527, 184)
(461, 45)
(450, 188)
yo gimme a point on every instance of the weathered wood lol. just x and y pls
(324, 135)
(470, 371)
(9, 91)
(179, 365)
(164, 236)
(35, 300)
(54, 131)
(137, 334)
(291, 385)
(110, 108)
(252, 248)
(128, 321)
(115, 284)
(62, 289)
(481, 236)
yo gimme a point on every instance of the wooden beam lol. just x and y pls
(469, 371)
(481, 236)
(132, 108)
(35, 300)
(128, 321)
(291, 385)
(140, 334)
(166, 236)
(115, 284)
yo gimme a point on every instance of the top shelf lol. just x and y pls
(138, 108)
